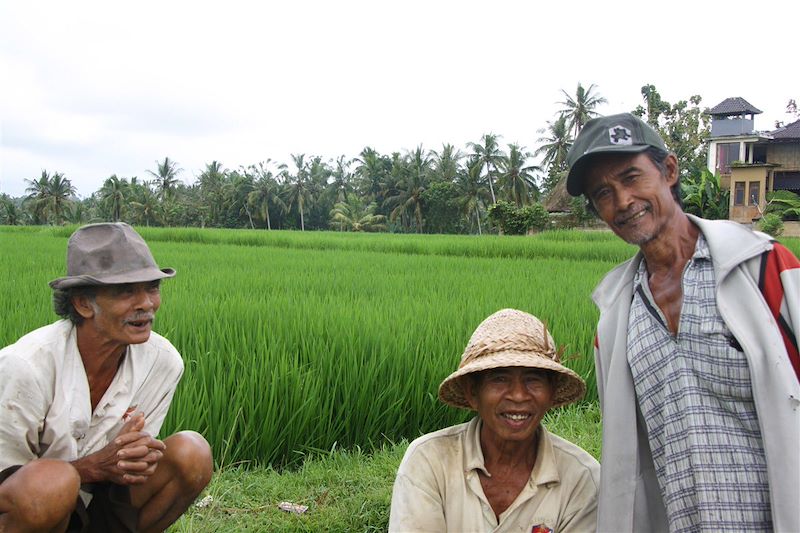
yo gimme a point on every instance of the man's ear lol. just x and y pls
(671, 163)
(83, 306)
(470, 387)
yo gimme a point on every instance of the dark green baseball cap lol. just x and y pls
(618, 134)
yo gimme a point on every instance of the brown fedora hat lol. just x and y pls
(512, 338)
(108, 254)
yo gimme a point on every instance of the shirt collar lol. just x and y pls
(544, 470)
(701, 250)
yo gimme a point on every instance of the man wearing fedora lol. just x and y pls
(503, 471)
(696, 351)
(83, 399)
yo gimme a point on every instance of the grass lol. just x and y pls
(308, 355)
(345, 490)
(295, 350)
(296, 344)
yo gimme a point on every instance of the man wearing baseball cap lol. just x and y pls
(503, 471)
(83, 399)
(696, 351)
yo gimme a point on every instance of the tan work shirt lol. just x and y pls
(45, 407)
(438, 488)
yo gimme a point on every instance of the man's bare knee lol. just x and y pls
(188, 454)
(42, 494)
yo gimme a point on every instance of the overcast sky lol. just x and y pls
(94, 88)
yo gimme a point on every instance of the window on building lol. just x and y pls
(753, 197)
(760, 153)
(738, 193)
(727, 153)
(787, 181)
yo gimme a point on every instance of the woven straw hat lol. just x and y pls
(108, 254)
(512, 338)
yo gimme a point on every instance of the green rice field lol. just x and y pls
(299, 343)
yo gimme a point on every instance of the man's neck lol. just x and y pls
(101, 359)
(505, 455)
(673, 247)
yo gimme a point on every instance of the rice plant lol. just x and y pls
(299, 343)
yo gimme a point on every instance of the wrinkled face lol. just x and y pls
(631, 195)
(124, 313)
(511, 401)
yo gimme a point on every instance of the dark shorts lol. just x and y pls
(109, 511)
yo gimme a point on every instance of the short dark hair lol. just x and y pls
(62, 302)
(658, 157)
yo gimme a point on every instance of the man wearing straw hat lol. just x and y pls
(503, 471)
(82, 400)
(696, 351)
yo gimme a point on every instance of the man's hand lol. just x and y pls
(129, 459)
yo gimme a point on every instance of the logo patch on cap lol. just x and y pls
(620, 135)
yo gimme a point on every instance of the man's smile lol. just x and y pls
(636, 215)
(140, 322)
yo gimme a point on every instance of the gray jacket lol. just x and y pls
(630, 497)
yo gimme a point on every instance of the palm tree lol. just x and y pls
(517, 179)
(9, 214)
(146, 207)
(166, 176)
(265, 191)
(342, 183)
(37, 194)
(237, 189)
(298, 190)
(580, 110)
(351, 214)
(472, 193)
(58, 198)
(446, 163)
(407, 200)
(112, 195)
(50, 196)
(557, 143)
(372, 171)
(490, 156)
(212, 190)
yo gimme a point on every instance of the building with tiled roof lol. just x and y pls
(790, 132)
(751, 163)
(734, 106)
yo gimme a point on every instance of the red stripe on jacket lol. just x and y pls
(779, 260)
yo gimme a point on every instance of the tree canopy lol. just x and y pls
(448, 189)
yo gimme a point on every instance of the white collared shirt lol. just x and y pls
(438, 488)
(45, 407)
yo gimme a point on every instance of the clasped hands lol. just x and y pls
(129, 459)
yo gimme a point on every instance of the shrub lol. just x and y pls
(771, 224)
(514, 220)
(784, 204)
